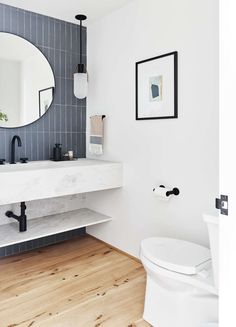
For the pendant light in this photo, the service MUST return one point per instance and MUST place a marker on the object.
(81, 76)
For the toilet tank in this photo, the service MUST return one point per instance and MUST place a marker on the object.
(213, 231)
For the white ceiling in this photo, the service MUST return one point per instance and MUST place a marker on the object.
(67, 9)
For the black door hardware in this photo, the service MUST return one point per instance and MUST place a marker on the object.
(223, 205)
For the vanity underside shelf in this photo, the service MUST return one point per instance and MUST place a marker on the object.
(50, 225)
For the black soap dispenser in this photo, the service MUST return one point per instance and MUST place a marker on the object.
(57, 152)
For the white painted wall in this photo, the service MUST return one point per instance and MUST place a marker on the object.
(10, 99)
(181, 152)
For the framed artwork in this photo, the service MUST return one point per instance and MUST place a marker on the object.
(45, 100)
(157, 87)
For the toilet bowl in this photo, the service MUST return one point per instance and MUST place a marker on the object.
(180, 289)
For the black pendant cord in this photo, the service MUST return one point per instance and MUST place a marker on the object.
(81, 52)
(81, 67)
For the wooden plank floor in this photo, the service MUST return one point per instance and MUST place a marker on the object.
(79, 283)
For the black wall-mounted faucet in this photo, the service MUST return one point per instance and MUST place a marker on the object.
(13, 147)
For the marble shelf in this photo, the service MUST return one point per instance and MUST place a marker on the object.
(50, 225)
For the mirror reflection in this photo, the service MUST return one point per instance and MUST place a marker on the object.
(26, 82)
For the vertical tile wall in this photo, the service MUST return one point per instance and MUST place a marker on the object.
(65, 122)
(41, 242)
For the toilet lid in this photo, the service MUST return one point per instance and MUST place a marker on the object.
(176, 255)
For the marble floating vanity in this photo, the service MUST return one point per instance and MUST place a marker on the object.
(47, 179)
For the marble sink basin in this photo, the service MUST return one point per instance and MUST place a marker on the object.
(48, 164)
(46, 179)
(28, 166)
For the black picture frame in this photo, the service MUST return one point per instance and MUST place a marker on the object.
(52, 88)
(175, 81)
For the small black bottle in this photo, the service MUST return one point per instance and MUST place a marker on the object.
(57, 152)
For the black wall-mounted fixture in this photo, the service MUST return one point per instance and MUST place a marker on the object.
(24, 160)
(81, 76)
(22, 219)
(175, 191)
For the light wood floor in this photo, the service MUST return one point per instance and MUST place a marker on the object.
(80, 283)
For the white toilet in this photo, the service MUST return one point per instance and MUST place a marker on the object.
(180, 290)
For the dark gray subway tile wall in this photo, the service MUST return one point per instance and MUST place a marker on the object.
(41, 242)
(65, 122)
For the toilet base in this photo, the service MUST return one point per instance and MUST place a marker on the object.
(172, 303)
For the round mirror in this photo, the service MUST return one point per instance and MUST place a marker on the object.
(26, 82)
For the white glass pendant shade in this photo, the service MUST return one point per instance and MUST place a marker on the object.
(81, 85)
